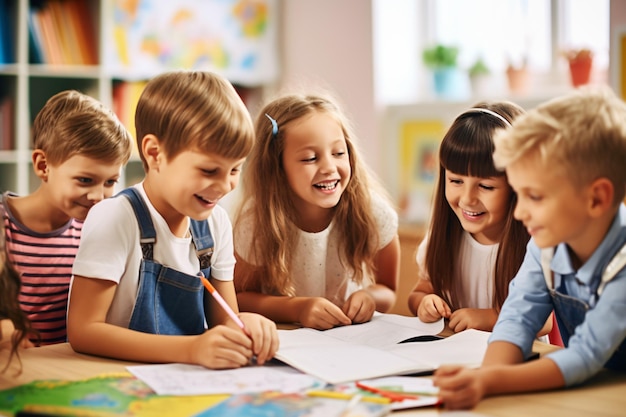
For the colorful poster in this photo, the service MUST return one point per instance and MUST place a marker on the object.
(419, 144)
(236, 38)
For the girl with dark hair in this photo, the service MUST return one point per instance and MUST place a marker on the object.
(474, 246)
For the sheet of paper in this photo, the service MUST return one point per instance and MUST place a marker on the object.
(464, 348)
(338, 363)
(183, 379)
(382, 331)
(386, 329)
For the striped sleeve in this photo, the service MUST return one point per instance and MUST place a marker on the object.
(45, 265)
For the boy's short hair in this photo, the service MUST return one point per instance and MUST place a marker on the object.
(194, 110)
(582, 133)
(72, 123)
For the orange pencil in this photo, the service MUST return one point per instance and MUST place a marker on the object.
(223, 303)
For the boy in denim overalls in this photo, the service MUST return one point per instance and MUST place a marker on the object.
(565, 160)
(135, 293)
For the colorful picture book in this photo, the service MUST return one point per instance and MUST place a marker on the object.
(102, 396)
(124, 395)
(276, 404)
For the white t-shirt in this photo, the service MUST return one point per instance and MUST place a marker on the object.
(109, 249)
(476, 266)
(316, 267)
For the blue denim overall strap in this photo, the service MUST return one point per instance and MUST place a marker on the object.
(168, 301)
(570, 311)
(203, 242)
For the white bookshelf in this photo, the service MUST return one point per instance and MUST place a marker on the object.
(31, 85)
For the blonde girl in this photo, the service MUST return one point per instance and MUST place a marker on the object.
(316, 238)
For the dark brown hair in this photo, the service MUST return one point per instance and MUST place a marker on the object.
(10, 283)
(467, 149)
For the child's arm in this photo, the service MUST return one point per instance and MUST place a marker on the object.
(502, 372)
(88, 332)
(315, 312)
(381, 295)
(262, 330)
(429, 307)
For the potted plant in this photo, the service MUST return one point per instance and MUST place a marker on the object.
(517, 77)
(580, 62)
(440, 56)
(479, 77)
(442, 60)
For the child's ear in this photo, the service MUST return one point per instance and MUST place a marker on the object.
(40, 164)
(152, 151)
(601, 192)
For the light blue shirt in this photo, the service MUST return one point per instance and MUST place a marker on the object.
(529, 304)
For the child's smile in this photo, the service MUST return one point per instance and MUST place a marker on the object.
(327, 185)
(316, 162)
(480, 204)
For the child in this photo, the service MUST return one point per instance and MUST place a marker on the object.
(474, 246)
(565, 159)
(136, 292)
(313, 244)
(15, 325)
(79, 149)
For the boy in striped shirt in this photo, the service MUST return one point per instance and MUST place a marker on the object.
(80, 147)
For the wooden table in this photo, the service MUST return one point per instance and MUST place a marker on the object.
(604, 395)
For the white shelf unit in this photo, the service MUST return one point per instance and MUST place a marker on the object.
(31, 85)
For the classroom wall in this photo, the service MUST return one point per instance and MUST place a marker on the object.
(328, 43)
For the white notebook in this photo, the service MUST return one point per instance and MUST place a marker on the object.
(372, 350)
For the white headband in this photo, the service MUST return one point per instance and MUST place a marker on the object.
(487, 111)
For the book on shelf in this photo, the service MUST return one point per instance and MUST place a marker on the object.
(377, 348)
(125, 98)
(63, 33)
(36, 53)
(6, 32)
(7, 118)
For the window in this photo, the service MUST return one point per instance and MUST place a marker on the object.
(501, 32)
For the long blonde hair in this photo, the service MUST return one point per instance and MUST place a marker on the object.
(269, 200)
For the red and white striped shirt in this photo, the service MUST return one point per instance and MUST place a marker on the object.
(44, 261)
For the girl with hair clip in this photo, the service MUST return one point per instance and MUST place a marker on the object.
(313, 244)
(474, 246)
(14, 325)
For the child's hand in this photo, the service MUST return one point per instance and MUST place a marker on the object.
(264, 336)
(459, 387)
(360, 306)
(432, 308)
(473, 318)
(319, 313)
(222, 347)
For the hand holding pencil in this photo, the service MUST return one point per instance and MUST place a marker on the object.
(261, 331)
